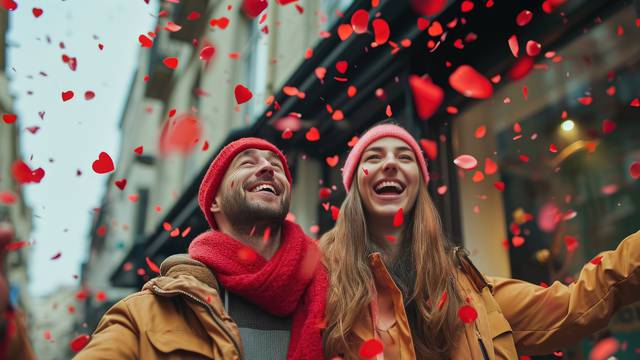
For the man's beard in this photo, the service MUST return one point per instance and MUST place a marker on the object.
(244, 214)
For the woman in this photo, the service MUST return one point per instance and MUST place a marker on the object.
(397, 284)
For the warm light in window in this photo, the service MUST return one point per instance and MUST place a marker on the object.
(568, 125)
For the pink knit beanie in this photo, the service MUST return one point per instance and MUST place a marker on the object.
(374, 134)
(218, 168)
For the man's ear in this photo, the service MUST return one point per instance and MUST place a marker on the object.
(215, 208)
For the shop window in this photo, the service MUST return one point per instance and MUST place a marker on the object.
(563, 139)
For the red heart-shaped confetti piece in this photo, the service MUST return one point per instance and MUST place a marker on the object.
(37, 12)
(427, 96)
(139, 150)
(381, 31)
(470, 83)
(499, 185)
(342, 66)
(242, 94)
(170, 62)
(466, 6)
(513, 45)
(608, 126)
(207, 53)
(360, 21)
(332, 160)
(481, 131)
(312, 135)
(423, 23)
(9, 118)
(524, 17)
(371, 348)
(221, 22)
(435, 29)
(398, 218)
(88, 95)
(67, 95)
(335, 212)
(104, 164)
(533, 48)
(344, 31)
(10, 5)
(467, 314)
(79, 342)
(8, 197)
(427, 7)
(253, 8)
(520, 68)
(466, 162)
(121, 184)
(634, 170)
(145, 41)
(430, 147)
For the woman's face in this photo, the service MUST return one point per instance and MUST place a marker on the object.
(388, 178)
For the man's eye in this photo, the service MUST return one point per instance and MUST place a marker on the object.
(246, 162)
(372, 157)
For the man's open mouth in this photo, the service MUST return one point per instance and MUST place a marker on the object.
(264, 187)
(389, 187)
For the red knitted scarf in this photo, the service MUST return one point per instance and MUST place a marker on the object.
(292, 283)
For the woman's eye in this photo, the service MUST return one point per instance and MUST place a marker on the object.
(406, 157)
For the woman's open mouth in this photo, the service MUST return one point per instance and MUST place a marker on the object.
(389, 188)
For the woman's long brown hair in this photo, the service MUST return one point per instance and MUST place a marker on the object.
(434, 330)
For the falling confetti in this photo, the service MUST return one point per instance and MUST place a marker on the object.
(371, 348)
(470, 83)
(104, 164)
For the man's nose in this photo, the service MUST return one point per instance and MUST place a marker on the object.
(266, 169)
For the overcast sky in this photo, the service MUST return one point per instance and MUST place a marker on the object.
(72, 133)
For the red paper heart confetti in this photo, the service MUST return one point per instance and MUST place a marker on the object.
(253, 8)
(332, 161)
(8, 197)
(524, 17)
(145, 41)
(467, 314)
(312, 135)
(360, 21)
(608, 126)
(344, 31)
(430, 147)
(398, 218)
(37, 12)
(342, 66)
(88, 95)
(79, 342)
(139, 150)
(9, 118)
(480, 132)
(533, 48)
(513, 45)
(242, 94)
(634, 170)
(67, 95)
(381, 31)
(207, 53)
(470, 83)
(104, 164)
(152, 266)
(466, 6)
(221, 22)
(605, 349)
(466, 162)
(427, 96)
(371, 348)
(427, 7)
(121, 184)
(170, 62)
(571, 242)
(490, 167)
(520, 68)
(23, 174)
(9, 5)
(596, 260)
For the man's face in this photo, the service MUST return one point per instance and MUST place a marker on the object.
(254, 189)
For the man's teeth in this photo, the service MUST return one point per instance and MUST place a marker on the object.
(389, 184)
(264, 187)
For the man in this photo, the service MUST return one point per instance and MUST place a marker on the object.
(254, 281)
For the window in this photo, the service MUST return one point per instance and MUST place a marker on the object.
(256, 71)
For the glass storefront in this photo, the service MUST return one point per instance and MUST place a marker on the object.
(564, 139)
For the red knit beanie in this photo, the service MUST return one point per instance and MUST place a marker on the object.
(218, 168)
(374, 134)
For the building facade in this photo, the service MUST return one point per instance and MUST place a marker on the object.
(13, 207)
(557, 144)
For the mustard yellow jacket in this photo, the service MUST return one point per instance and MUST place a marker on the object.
(519, 318)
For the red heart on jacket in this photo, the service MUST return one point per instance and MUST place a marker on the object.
(67, 95)
(242, 94)
(121, 183)
(104, 164)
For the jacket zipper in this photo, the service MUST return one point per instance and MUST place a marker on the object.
(485, 355)
(216, 318)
